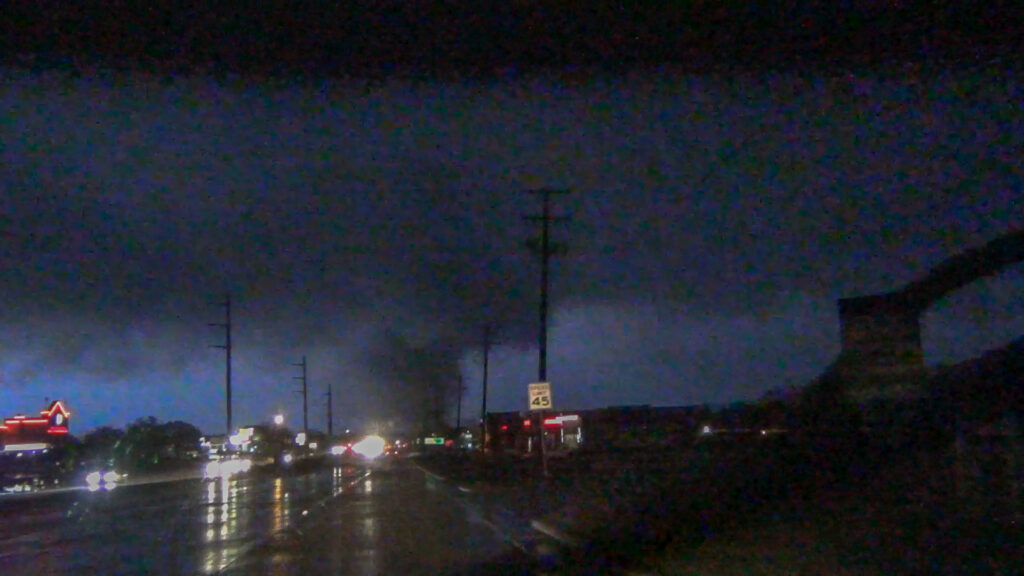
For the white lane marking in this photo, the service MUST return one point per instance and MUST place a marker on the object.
(431, 474)
(554, 532)
(501, 534)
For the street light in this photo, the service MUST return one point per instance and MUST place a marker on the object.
(278, 419)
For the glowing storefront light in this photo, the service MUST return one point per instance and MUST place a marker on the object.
(29, 447)
(243, 437)
(560, 420)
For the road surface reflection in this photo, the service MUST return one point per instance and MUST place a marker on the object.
(181, 527)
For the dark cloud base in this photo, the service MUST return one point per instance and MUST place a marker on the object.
(377, 230)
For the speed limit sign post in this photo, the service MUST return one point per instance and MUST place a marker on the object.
(539, 402)
(540, 396)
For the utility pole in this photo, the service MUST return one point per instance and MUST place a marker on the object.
(305, 407)
(330, 411)
(545, 248)
(226, 347)
(483, 409)
(458, 412)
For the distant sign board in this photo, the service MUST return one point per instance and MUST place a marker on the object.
(433, 441)
(540, 396)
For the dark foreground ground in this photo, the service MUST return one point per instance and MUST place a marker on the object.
(751, 506)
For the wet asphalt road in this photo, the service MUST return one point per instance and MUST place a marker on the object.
(336, 520)
(395, 521)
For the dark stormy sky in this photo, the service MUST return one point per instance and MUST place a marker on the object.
(375, 228)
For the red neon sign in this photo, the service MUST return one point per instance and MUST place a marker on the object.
(558, 421)
(57, 405)
(55, 417)
(23, 420)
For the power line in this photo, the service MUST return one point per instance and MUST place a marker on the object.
(226, 304)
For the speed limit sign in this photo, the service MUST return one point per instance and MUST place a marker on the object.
(540, 396)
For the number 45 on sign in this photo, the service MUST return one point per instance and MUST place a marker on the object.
(540, 396)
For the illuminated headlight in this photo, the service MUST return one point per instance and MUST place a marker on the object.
(102, 480)
(227, 468)
(287, 458)
(369, 447)
(212, 470)
(338, 450)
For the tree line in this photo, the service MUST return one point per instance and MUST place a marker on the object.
(144, 445)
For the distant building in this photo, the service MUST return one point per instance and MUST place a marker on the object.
(598, 429)
(21, 433)
(258, 440)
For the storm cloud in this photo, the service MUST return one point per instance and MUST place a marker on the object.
(715, 220)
